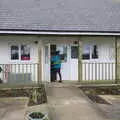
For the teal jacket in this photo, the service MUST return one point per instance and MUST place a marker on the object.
(56, 61)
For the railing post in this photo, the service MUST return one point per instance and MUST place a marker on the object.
(79, 61)
(38, 74)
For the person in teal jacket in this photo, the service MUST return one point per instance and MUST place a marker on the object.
(56, 65)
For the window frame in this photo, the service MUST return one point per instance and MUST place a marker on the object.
(74, 45)
(65, 55)
(91, 46)
(19, 52)
(87, 53)
(23, 57)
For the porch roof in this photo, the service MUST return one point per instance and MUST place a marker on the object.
(60, 15)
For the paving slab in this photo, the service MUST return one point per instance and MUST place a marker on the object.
(70, 103)
(112, 110)
(13, 108)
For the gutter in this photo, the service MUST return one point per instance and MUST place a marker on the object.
(60, 33)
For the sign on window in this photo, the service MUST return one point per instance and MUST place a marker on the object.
(25, 52)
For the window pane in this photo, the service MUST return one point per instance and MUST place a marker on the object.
(74, 52)
(46, 54)
(25, 52)
(63, 52)
(95, 52)
(14, 52)
(86, 56)
(86, 52)
(64, 55)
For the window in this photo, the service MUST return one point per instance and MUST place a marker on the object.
(25, 52)
(20, 52)
(95, 52)
(46, 54)
(14, 52)
(86, 52)
(63, 52)
(90, 52)
(74, 52)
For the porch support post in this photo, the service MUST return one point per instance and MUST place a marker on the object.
(39, 64)
(117, 60)
(79, 61)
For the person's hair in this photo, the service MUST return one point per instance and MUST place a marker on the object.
(57, 52)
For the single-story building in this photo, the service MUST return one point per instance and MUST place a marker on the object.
(87, 34)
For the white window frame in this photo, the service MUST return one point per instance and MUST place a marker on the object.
(91, 45)
(74, 45)
(19, 52)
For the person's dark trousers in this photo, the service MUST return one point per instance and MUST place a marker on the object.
(58, 70)
(53, 75)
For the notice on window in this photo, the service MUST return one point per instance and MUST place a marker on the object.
(25, 52)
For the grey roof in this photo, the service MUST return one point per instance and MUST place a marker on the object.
(60, 15)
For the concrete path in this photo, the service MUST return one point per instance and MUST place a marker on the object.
(70, 103)
(13, 108)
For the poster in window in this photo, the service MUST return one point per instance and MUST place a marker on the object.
(25, 52)
(95, 52)
(14, 52)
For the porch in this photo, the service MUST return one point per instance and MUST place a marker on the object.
(85, 59)
(19, 73)
(29, 74)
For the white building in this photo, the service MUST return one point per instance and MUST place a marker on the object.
(85, 33)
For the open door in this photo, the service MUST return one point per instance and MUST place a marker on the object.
(47, 63)
(65, 66)
(63, 49)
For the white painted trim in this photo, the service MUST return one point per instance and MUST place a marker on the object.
(59, 33)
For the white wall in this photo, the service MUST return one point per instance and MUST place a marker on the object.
(5, 55)
(106, 54)
(102, 68)
(7, 41)
(66, 67)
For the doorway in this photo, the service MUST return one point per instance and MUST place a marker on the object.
(52, 73)
(69, 61)
(65, 63)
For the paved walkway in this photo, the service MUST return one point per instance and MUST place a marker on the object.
(13, 108)
(65, 102)
(70, 103)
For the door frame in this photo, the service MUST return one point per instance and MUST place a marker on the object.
(76, 45)
(44, 63)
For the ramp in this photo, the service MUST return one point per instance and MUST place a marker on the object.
(70, 103)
